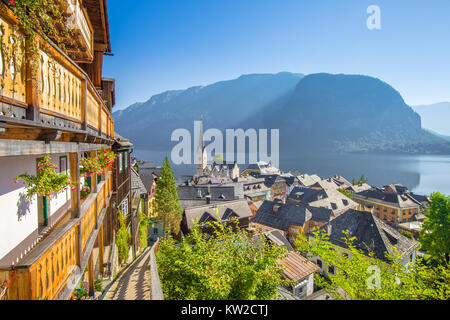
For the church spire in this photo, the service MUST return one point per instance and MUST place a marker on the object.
(201, 151)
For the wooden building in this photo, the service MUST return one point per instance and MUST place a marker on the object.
(54, 106)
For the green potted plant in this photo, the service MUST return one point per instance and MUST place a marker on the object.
(46, 182)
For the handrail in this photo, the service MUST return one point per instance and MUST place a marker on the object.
(62, 85)
(157, 293)
(52, 262)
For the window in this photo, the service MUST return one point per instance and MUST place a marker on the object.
(319, 263)
(124, 207)
(120, 161)
(126, 159)
(393, 211)
(331, 269)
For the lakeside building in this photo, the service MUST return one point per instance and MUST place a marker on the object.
(291, 218)
(260, 168)
(369, 232)
(307, 180)
(193, 196)
(322, 194)
(393, 204)
(61, 107)
(296, 268)
(223, 212)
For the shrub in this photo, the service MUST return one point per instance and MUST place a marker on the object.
(123, 238)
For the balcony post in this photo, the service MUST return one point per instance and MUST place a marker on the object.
(32, 85)
(100, 249)
(91, 274)
(84, 104)
(94, 177)
(75, 176)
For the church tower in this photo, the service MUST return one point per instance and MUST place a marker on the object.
(201, 155)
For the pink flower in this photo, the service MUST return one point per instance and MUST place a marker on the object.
(16, 182)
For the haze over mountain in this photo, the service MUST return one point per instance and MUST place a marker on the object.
(316, 112)
(222, 105)
(435, 117)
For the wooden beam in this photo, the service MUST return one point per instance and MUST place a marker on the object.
(50, 135)
(32, 86)
(91, 271)
(75, 176)
(13, 147)
(100, 249)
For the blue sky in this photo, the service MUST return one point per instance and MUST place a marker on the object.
(162, 45)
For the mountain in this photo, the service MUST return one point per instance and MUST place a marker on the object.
(435, 117)
(349, 113)
(150, 124)
(343, 113)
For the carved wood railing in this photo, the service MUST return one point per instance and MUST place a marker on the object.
(12, 63)
(60, 90)
(50, 89)
(51, 272)
(45, 272)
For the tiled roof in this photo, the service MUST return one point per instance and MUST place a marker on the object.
(378, 195)
(223, 209)
(370, 232)
(327, 197)
(147, 179)
(296, 267)
(341, 182)
(121, 141)
(279, 239)
(136, 182)
(289, 214)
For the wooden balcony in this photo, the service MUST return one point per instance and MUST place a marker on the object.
(52, 99)
(52, 269)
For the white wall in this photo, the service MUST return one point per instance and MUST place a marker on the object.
(19, 219)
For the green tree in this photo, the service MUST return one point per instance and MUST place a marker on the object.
(347, 193)
(166, 200)
(358, 275)
(435, 234)
(407, 234)
(360, 181)
(123, 238)
(144, 222)
(228, 265)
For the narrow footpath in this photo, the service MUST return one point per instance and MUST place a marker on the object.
(134, 282)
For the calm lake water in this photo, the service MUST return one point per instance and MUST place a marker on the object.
(422, 174)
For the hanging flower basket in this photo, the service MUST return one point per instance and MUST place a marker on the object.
(85, 191)
(106, 159)
(47, 182)
(90, 167)
(98, 165)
